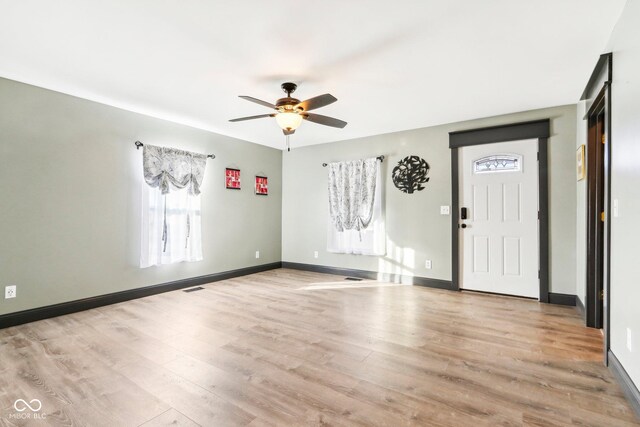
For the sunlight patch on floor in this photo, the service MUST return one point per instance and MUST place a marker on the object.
(350, 285)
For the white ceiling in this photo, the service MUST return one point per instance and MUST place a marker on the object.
(393, 65)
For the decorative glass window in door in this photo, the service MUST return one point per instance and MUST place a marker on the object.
(498, 163)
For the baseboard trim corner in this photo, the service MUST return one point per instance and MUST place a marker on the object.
(580, 306)
(55, 310)
(562, 299)
(371, 275)
(626, 383)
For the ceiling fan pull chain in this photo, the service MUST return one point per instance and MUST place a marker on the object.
(288, 146)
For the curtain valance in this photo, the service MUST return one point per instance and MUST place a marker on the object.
(352, 188)
(171, 169)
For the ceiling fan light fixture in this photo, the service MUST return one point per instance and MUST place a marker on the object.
(288, 121)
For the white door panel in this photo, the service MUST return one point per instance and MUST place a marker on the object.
(499, 246)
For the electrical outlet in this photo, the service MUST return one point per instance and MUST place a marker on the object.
(629, 340)
(444, 210)
(9, 292)
(257, 254)
(427, 264)
(315, 254)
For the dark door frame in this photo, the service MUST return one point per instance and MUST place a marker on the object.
(597, 97)
(595, 225)
(538, 129)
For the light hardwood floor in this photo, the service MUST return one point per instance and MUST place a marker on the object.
(294, 348)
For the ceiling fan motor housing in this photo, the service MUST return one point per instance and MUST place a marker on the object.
(287, 105)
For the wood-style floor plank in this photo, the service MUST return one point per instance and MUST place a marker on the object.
(286, 347)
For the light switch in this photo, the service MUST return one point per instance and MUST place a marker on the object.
(615, 208)
(444, 210)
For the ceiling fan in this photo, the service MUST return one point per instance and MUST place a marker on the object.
(290, 111)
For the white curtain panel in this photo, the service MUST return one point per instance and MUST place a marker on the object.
(356, 219)
(183, 222)
(171, 215)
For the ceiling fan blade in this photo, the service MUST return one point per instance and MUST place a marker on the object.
(258, 101)
(324, 120)
(288, 132)
(241, 119)
(317, 102)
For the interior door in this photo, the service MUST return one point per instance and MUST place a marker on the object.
(596, 207)
(498, 194)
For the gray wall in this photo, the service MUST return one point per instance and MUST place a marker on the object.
(70, 199)
(625, 187)
(416, 230)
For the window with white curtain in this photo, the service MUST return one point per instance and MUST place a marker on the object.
(171, 213)
(356, 220)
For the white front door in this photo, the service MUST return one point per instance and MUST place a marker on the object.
(499, 242)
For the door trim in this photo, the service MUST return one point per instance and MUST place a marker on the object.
(596, 93)
(538, 129)
(594, 239)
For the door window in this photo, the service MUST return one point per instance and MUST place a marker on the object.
(498, 163)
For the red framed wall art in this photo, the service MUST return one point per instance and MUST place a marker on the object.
(232, 178)
(262, 186)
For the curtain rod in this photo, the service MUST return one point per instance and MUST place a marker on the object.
(381, 158)
(140, 144)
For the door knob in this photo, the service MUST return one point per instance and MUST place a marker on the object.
(463, 225)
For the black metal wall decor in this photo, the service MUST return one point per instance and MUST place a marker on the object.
(410, 174)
